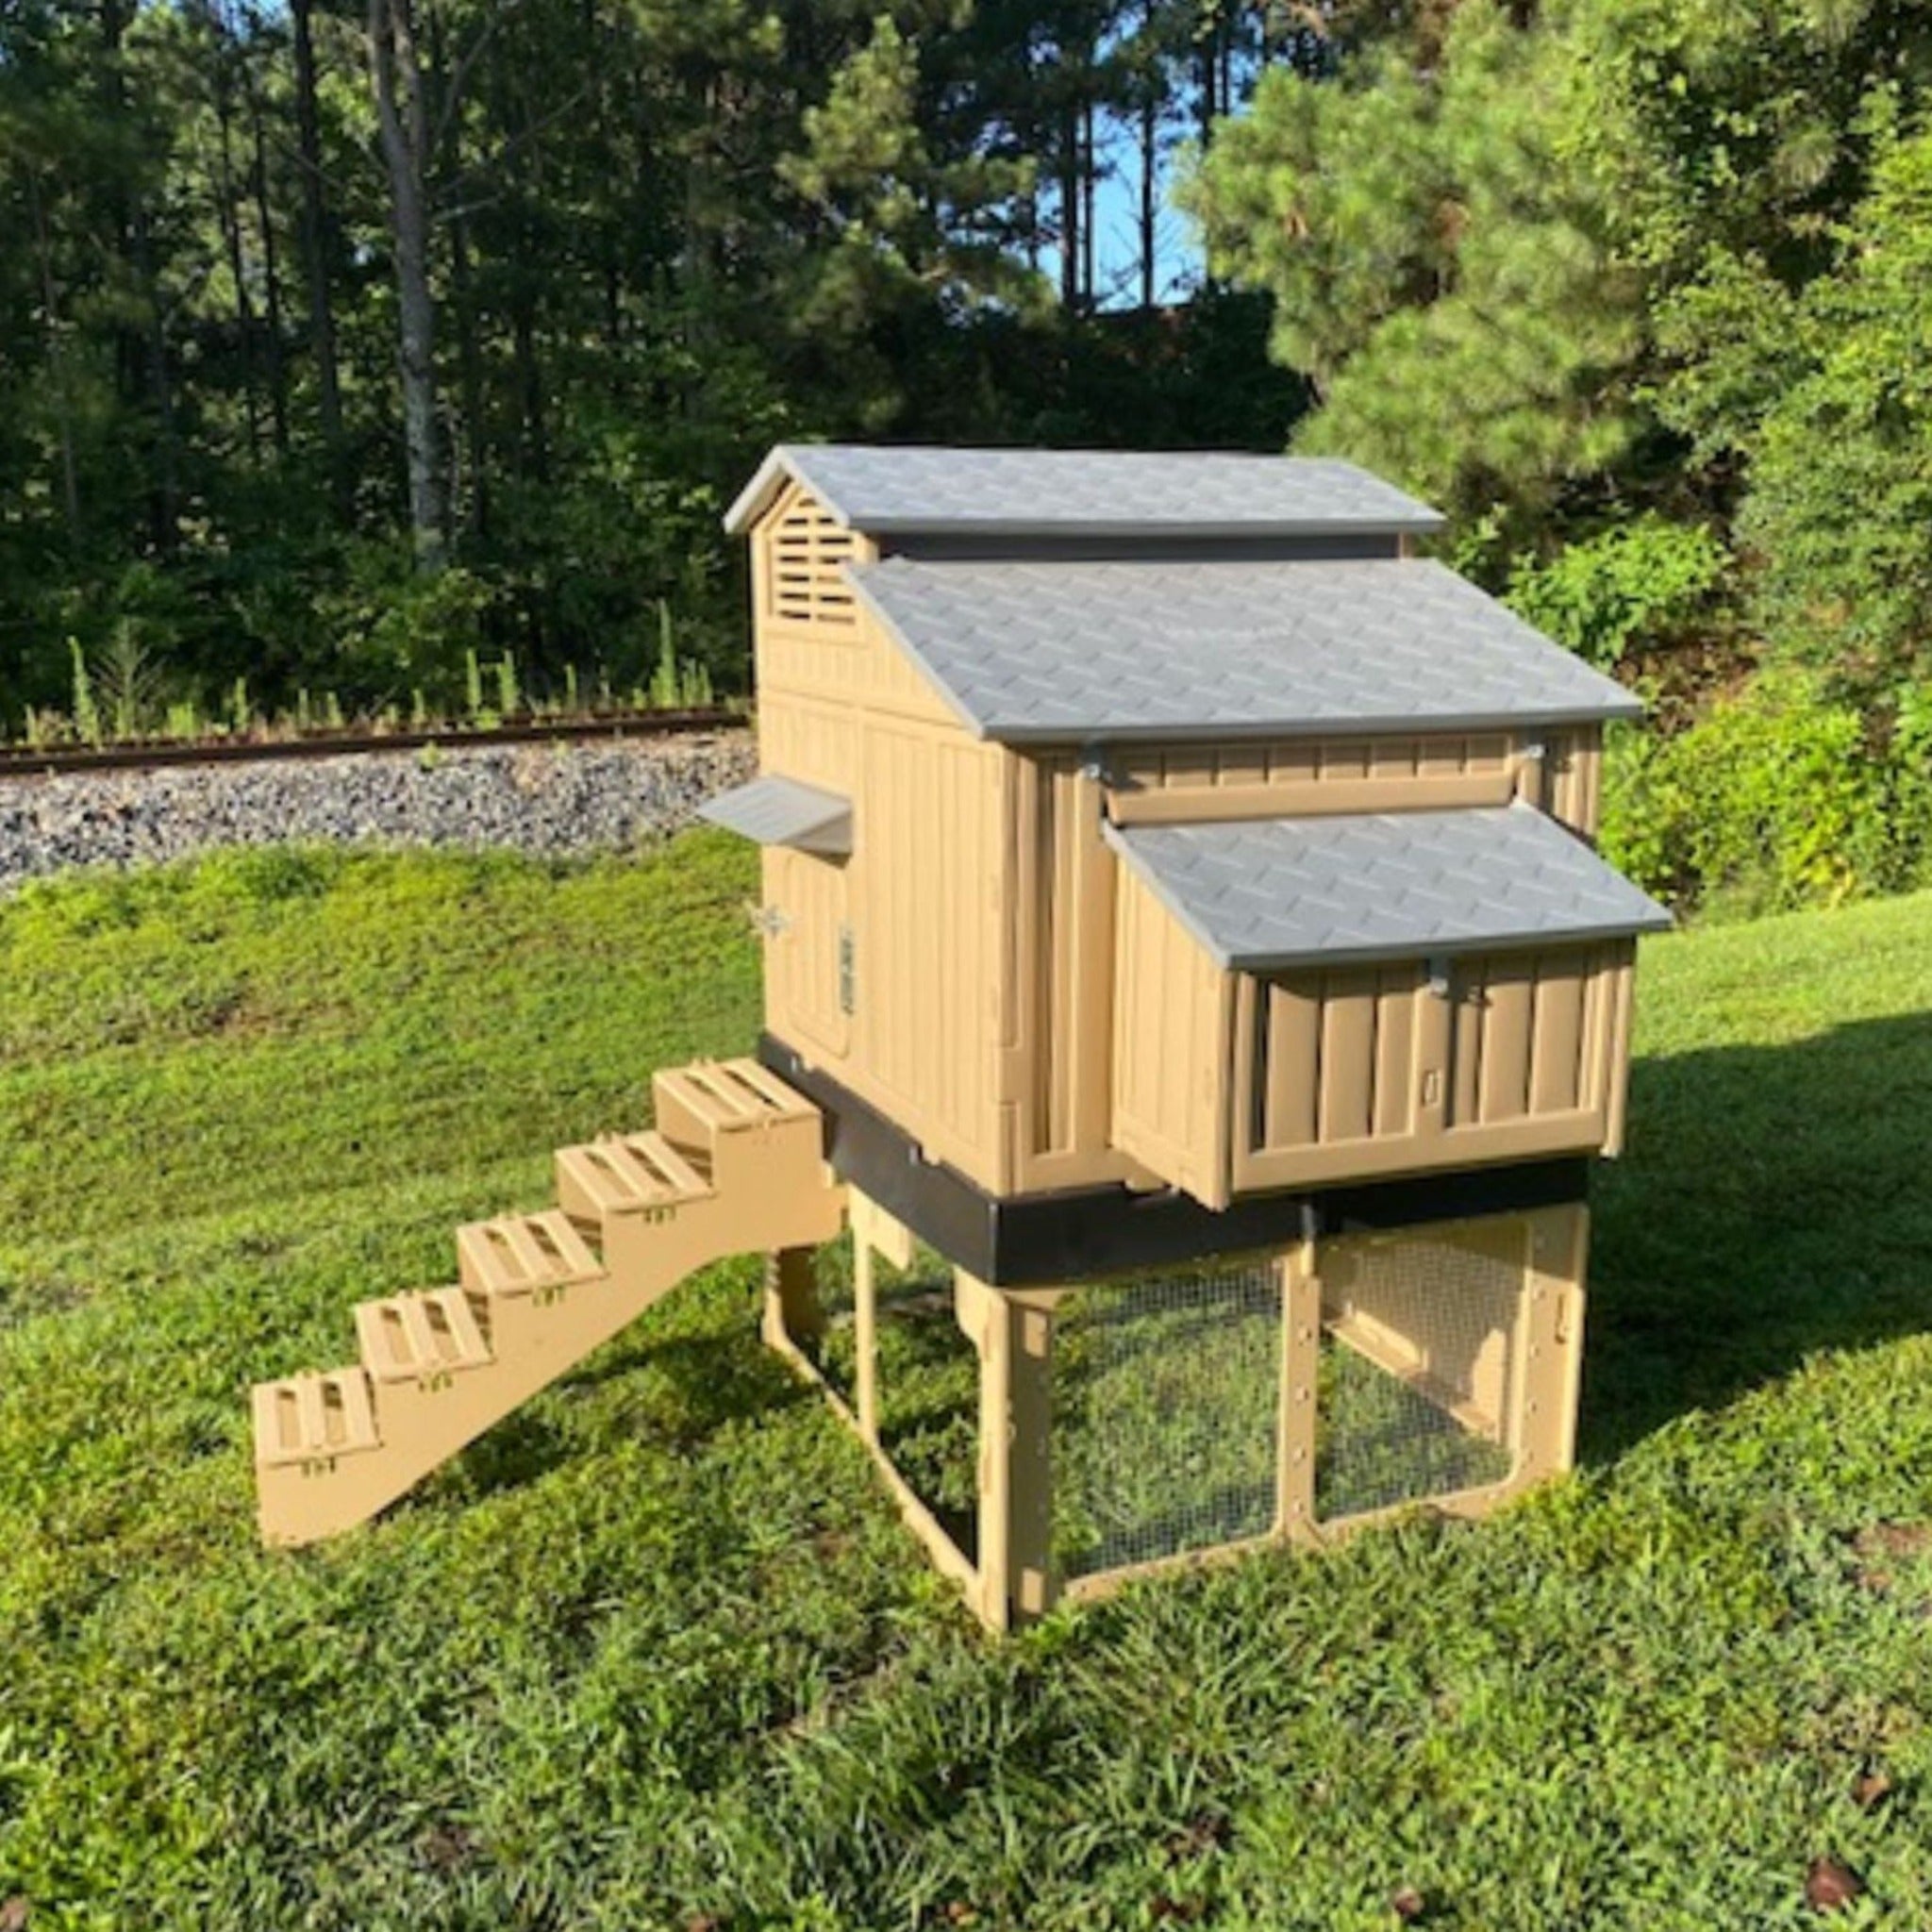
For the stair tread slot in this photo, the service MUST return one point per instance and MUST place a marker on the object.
(522, 1252)
(672, 1172)
(592, 1176)
(413, 1335)
(576, 1253)
(307, 1416)
(768, 1087)
(641, 1185)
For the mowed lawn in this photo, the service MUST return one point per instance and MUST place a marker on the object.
(656, 1653)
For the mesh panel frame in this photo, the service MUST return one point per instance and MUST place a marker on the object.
(928, 1374)
(1420, 1379)
(1166, 1429)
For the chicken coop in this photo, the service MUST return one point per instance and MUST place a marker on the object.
(1192, 1003)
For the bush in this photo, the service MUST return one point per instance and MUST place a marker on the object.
(1776, 797)
(1637, 583)
(399, 630)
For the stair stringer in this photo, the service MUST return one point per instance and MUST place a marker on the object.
(768, 1188)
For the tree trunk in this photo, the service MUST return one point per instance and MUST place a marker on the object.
(1150, 206)
(402, 126)
(228, 219)
(1154, 85)
(271, 272)
(1071, 203)
(1210, 51)
(1089, 173)
(322, 324)
(56, 361)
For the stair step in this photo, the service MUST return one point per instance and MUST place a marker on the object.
(720, 1095)
(625, 1172)
(304, 1418)
(409, 1337)
(522, 1254)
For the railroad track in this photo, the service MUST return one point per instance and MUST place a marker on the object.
(28, 763)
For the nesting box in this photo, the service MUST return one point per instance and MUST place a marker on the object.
(1179, 901)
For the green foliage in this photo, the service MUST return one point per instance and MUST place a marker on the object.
(668, 1602)
(1636, 583)
(660, 238)
(397, 628)
(1839, 497)
(1773, 798)
(87, 716)
(1436, 272)
(1496, 252)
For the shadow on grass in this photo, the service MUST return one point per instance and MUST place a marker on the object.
(678, 1391)
(1773, 1202)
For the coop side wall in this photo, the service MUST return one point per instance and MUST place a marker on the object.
(889, 969)
(1308, 778)
(1173, 1035)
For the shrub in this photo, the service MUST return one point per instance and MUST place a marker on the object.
(1773, 798)
(1636, 583)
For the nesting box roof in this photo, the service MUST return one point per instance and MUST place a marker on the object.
(1041, 653)
(1263, 895)
(904, 490)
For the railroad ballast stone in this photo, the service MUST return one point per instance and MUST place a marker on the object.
(545, 799)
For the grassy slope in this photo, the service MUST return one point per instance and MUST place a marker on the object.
(656, 1652)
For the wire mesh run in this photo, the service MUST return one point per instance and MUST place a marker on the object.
(928, 1391)
(832, 1348)
(1418, 1385)
(1166, 1426)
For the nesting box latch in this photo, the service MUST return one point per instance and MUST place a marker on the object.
(1532, 765)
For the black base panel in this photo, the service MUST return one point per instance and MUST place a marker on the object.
(1037, 1240)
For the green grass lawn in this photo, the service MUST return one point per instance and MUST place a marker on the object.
(656, 1653)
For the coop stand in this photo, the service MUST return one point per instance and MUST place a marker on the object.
(1504, 1373)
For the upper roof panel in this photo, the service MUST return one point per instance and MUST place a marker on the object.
(1267, 894)
(1052, 653)
(902, 490)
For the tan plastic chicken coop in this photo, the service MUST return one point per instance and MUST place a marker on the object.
(1191, 1005)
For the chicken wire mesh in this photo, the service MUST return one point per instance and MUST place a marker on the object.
(928, 1391)
(1417, 1387)
(1166, 1395)
(832, 1347)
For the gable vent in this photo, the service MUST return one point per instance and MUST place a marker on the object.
(807, 548)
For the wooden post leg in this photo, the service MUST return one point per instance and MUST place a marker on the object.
(1558, 1242)
(1015, 1343)
(1301, 1361)
(791, 1299)
(865, 1336)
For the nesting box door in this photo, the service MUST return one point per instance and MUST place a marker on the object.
(1363, 1069)
(810, 951)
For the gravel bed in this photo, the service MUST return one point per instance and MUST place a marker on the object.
(541, 799)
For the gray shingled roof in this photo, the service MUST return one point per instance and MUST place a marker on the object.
(887, 490)
(785, 811)
(1052, 652)
(1265, 894)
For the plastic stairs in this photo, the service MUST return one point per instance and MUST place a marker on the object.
(735, 1165)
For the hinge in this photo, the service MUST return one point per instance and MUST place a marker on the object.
(769, 920)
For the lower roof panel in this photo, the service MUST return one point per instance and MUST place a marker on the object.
(1270, 894)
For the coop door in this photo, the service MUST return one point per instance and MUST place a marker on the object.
(810, 952)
